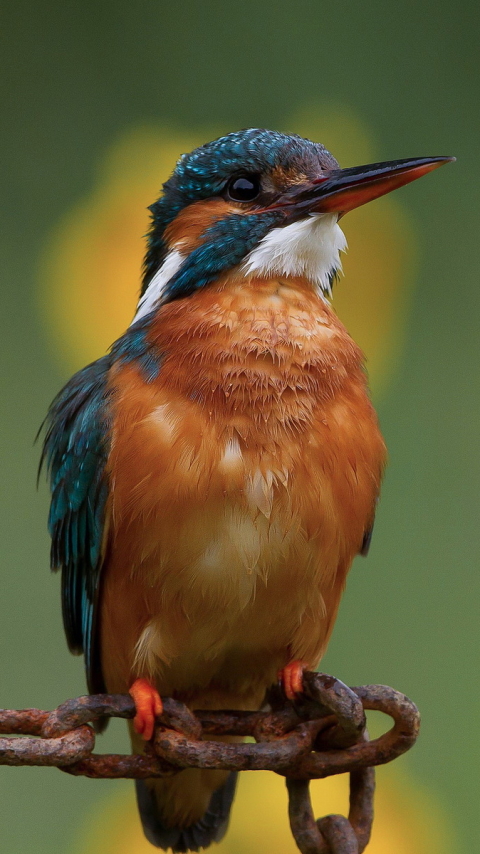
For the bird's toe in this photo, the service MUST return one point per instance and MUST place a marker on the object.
(148, 705)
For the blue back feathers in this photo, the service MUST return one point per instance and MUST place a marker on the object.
(133, 346)
(75, 450)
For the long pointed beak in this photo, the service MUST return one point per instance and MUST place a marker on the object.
(342, 190)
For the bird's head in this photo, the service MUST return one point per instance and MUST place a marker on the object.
(262, 203)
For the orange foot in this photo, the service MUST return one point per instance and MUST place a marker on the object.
(291, 678)
(148, 704)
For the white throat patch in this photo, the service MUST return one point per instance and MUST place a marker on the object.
(157, 285)
(309, 248)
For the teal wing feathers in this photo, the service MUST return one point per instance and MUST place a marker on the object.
(75, 451)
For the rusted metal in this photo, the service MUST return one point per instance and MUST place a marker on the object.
(333, 834)
(321, 734)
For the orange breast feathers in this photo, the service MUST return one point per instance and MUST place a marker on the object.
(243, 480)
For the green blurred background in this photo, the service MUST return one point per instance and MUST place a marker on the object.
(76, 78)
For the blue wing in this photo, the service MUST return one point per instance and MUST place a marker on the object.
(75, 450)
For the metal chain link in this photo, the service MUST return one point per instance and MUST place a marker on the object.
(321, 734)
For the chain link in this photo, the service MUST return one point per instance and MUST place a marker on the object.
(320, 735)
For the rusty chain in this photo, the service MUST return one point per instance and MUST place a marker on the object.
(321, 734)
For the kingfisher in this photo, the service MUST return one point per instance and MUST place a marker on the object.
(215, 474)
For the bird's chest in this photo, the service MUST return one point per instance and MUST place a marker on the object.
(243, 479)
(207, 517)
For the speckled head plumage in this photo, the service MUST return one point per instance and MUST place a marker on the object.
(204, 171)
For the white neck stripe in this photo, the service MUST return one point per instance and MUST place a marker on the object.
(157, 285)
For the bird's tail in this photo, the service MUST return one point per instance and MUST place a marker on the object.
(169, 809)
(188, 811)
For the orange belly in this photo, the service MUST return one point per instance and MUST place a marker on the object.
(242, 482)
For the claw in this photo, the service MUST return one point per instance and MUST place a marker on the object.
(148, 705)
(291, 678)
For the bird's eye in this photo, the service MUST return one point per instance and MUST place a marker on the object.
(244, 188)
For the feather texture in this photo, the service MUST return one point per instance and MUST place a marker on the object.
(75, 451)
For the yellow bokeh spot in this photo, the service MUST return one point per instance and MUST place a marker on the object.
(406, 819)
(91, 268)
(90, 271)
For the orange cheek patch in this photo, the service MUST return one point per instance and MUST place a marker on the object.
(190, 224)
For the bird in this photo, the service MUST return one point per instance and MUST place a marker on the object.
(215, 474)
